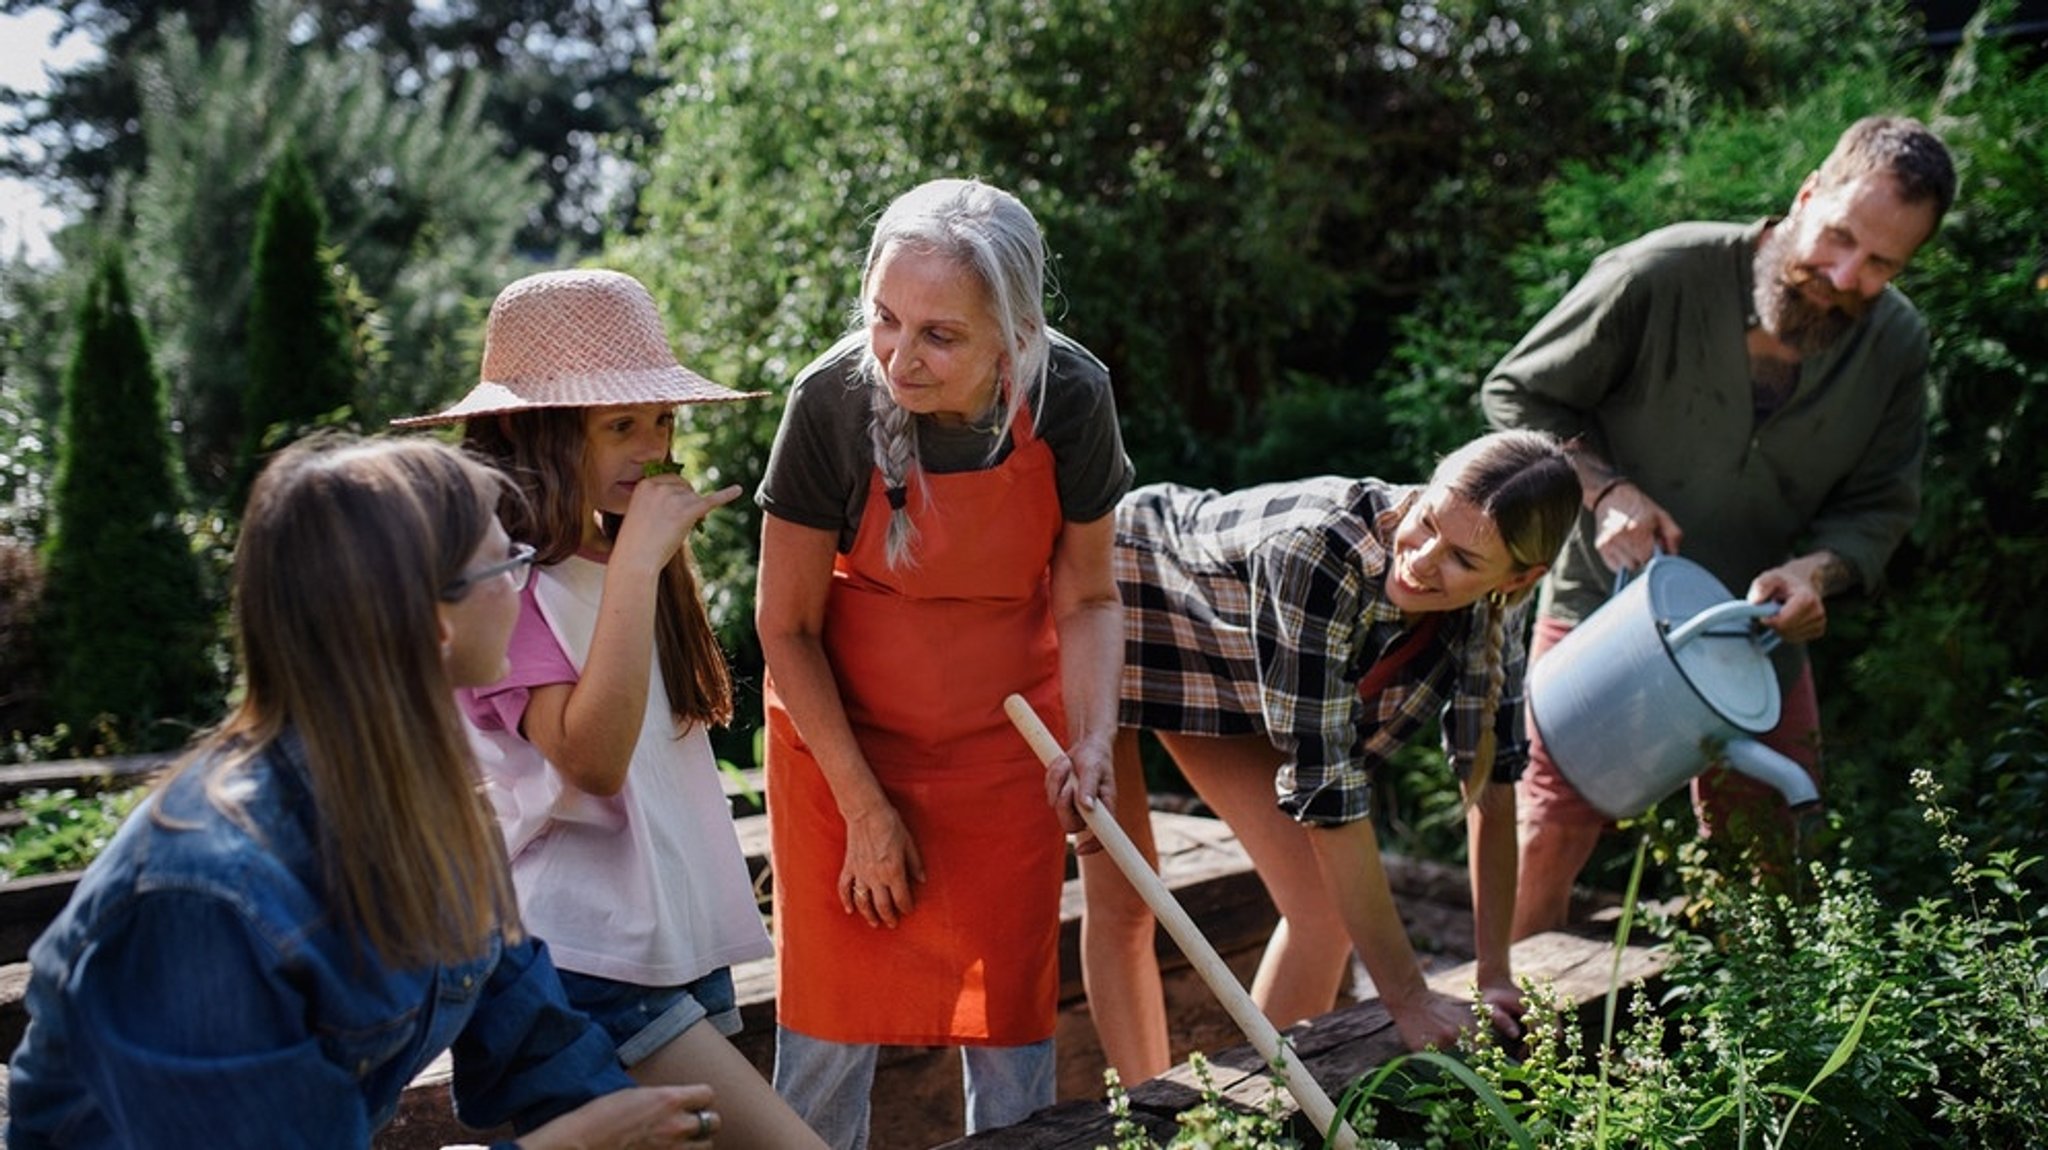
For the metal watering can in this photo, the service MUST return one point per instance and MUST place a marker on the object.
(1668, 675)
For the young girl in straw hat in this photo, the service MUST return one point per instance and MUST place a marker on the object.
(313, 905)
(594, 746)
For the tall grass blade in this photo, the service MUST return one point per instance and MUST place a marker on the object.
(1621, 933)
(1843, 1050)
(1362, 1092)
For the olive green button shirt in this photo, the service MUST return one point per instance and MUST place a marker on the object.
(1647, 357)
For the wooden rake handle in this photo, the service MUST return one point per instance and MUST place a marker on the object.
(1265, 1038)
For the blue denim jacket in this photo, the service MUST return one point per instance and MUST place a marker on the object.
(196, 992)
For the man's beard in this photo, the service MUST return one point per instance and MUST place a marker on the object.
(1782, 306)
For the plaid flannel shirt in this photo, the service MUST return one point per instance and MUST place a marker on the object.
(1258, 611)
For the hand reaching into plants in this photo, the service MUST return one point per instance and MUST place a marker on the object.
(1438, 1020)
(1504, 1002)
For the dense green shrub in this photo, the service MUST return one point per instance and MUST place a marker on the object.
(1839, 1019)
(35, 304)
(129, 625)
(62, 830)
(303, 365)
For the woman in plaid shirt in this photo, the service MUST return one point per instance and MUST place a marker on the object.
(1284, 641)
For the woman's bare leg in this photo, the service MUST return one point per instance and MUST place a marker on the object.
(1118, 964)
(751, 1115)
(1304, 964)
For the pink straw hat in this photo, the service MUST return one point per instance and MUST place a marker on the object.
(577, 338)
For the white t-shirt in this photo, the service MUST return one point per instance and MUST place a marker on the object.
(647, 886)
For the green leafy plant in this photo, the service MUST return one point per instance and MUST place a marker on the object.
(62, 830)
(1816, 1016)
(1829, 1019)
(1211, 1124)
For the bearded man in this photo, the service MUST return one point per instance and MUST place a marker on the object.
(1752, 396)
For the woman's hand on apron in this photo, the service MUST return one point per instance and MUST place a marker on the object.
(1084, 777)
(882, 865)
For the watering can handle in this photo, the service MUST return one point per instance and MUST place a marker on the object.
(1720, 613)
(1622, 576)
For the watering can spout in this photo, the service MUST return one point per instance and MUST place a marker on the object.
(1768, 766)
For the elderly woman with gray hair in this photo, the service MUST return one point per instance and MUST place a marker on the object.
(937, 537)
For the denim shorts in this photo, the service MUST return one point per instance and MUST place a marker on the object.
(643, 1019)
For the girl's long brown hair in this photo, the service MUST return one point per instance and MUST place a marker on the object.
(541, 450)
(345, 547)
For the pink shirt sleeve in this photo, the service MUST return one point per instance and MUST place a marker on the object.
(537, 660)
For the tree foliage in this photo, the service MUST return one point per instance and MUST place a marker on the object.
(565, 78)
(129, 626)
(1242, 204)
(33, 308)
(418, 197)
(1963, 614)
(302, 360)
(1906, 675)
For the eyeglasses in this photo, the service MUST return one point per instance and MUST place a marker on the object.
(519, 568)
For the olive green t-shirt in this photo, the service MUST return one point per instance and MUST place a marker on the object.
(819, 467)
(1647, 356)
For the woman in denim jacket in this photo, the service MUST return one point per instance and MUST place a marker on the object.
(314, 904)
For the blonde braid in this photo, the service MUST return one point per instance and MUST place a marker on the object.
(893, 432)
(1524, 482)
(1497, 607)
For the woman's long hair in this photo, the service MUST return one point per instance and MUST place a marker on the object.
(991, 235)
(542, 451)
(1524, 482)
(344, 549)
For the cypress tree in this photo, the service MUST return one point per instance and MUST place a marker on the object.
(129, 623)
(302, 368)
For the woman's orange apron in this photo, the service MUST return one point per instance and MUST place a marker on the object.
(924, 657)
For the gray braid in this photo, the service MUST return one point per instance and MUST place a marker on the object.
(992, 237)
(892, 431)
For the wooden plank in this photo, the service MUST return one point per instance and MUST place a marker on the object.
(80, 774)
(26, 907)
(1210, 874)
(742, 789)
(1340, 1047)
(1066, 1126)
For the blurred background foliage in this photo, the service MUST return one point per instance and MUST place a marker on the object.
(1298, 240)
